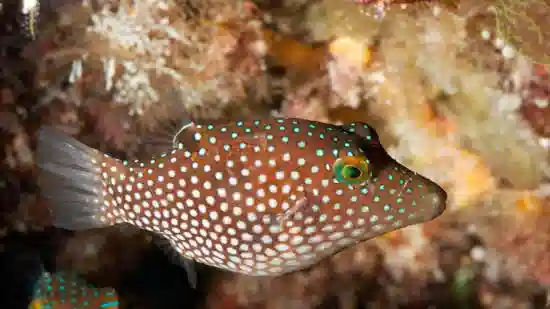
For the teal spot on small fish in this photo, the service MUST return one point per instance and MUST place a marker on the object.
(68, 288)
(112, 304)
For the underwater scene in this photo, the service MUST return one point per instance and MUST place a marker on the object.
(275, 154)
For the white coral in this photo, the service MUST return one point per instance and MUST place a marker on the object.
(131, 29)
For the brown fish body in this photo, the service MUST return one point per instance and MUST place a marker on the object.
(262, 197)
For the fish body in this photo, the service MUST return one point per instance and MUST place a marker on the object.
(261, 197)
(65, 290)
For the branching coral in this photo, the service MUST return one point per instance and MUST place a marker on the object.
(147, 47)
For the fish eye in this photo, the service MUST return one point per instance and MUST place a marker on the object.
(351, 170)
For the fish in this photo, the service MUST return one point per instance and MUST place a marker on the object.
(66, 290)
(260, 197)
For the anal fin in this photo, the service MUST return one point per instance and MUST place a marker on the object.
(177, 258)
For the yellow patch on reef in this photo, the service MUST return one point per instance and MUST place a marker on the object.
(471, 181)
(286, 51)
(529, 202)
(467, 178)
(391, 236)
(354, 52)
(36, 304)
(294, 54)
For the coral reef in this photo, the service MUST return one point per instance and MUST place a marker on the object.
(455, 95)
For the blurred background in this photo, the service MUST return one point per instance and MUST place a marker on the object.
(459, 91)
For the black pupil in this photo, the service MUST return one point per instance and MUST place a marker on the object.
(353, 172)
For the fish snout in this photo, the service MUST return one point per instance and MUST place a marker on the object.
(436, 198)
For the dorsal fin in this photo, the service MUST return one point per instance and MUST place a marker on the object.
(168, 135)
(174, 125)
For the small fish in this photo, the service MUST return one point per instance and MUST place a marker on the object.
(260, 197)
(65, 290)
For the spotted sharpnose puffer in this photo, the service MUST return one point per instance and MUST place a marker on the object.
(261, 197)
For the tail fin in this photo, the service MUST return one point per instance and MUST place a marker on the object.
(70, 178)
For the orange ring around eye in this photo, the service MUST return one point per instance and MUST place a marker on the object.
(36, 304)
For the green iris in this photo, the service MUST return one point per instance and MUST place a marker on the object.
(351, 170)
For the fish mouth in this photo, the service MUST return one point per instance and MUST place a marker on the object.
(431, 197)
(404, 196)
(407, 195)
(437, 197)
